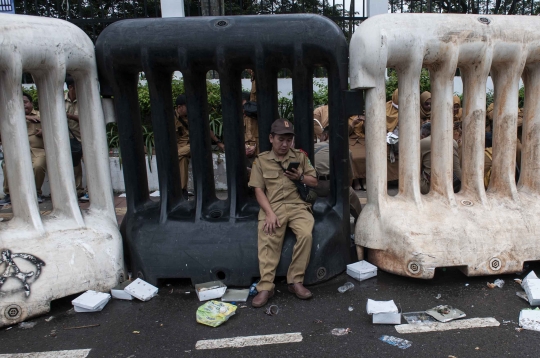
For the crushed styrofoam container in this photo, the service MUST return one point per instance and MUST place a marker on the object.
(235, 295)
(361, 270)
(91, 300)
(210, 290)
(384, 312)
(141, 289)
(531, 285)
(530, 319)
(381, 307)
(99, 308)
(119, 292)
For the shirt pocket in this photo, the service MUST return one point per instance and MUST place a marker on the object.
(272, 180)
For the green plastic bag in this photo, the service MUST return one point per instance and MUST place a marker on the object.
(215, 313)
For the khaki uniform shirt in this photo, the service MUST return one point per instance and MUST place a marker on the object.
(36, 143)
(182, 132)
(251, 132)
(425, 149)
(267, 173)
(73, 108)
(321, 114)
(322, 159)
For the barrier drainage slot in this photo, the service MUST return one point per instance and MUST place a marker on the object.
(221, 23)
(221, 275)
(215, 214)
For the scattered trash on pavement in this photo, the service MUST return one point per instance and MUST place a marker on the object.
(141, 290)
(317, 321)
(531, 285)
(80, 327)
(361, 270)
(351, 309)
(499, 283)
(210, 290)
(49, 319)
(235, 295)
(27, 325)
(445, 313)
(490, 285)
(517, 280)
(522, 295)
(341, 331)
(136, 332)
(395, 341)
(384, 312)
(466, 284)
(215, 313)
(253, 289)
(418, 318)
(91, 301)
(348, 286)
(119, 292)
(518, 329)
(7, 329)
(272, 310)
(467, 323)
(438, 296)
(530, 319)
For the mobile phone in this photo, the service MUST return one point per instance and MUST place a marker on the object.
(292, 165)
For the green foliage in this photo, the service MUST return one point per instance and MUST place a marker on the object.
(285, 108)
(392, 82)
(149, 143)
(320, 96)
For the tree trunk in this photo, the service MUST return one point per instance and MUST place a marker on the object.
(213, 7)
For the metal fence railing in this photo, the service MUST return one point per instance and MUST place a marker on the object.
(492, 7)
(6, 6)
(93, 16)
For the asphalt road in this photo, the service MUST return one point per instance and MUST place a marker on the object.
(168, 328)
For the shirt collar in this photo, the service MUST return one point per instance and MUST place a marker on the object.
(274, 156)
(67, 98)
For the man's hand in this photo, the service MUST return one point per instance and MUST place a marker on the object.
(250, 151)
(33, 119)
(293, 174)
(39, 133)
(221, 146)
(358, 119)
(271, 222)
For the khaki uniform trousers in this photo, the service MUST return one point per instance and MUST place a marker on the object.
(78, 179)
(323, 190)
(300, 220)
(39, 166)
(184, 153)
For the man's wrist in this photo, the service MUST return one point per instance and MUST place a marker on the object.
(301, 178)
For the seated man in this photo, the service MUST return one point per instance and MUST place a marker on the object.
(37, 149)
(322, 166)
(251, 131)
(282, 206)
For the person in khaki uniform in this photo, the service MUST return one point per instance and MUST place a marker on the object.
(320, 121)
(282, 206)
(72, 113)
(251, 131)
(182, 140)
(37, 149)
(322, 166)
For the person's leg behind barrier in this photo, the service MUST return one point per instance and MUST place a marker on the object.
(184, 153)
(354, 203)
(39, 165)
(269, 250)
(6, 185)
(78, 180)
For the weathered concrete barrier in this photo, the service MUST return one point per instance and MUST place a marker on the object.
(43, 258)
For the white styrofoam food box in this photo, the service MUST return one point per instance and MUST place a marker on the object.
(141, 289)
(387, 318)
(532, 288)
(361, 270)
(91, 300)
(119, 292)
(210, 290)
(99, 308)
(530, 319)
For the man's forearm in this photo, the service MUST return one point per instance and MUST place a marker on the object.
(310, 181)
(73, 117)
(263, 201)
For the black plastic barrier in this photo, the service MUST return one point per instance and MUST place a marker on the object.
(208, 238)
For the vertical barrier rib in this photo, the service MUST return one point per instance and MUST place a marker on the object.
(409, 130)
(56, 138)
(162, 115)
(131, 139)
(266, 98)
(199, 139)
(376, 166)
(506, 77)
(235, 152)
(474, 125)
(16, 147)
(302, 84)
(529, 180)
(442, 86)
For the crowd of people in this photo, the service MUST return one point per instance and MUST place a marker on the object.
(37, 148)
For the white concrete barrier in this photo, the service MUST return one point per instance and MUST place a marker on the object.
(482, 232)
(68, 251)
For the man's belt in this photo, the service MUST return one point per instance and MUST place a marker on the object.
(324, 177)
